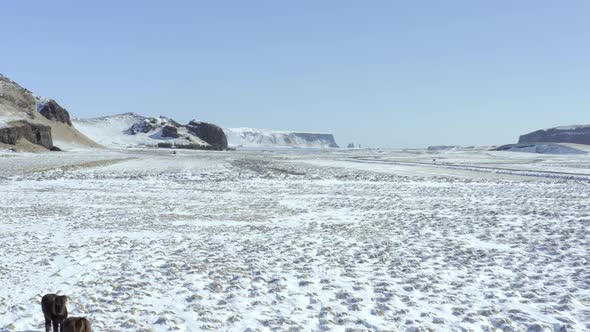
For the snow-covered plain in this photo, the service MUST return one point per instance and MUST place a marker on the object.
(344, 240)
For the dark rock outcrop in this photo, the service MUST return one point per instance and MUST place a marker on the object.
(145, 126)
(209, 133)
(34, 133)
(170, 131)
(9, 135)
(54, 112)
(568, 134)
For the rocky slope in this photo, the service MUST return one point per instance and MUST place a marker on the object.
(34, 124)
(250, 137)
(565, 134)
(130, 129)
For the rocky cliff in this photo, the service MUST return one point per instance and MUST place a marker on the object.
(31, 123)
(35, 133)
(250, 137)
(565, 134)
(209, 133)
(324, 139)
(18, 116)
(51, 110)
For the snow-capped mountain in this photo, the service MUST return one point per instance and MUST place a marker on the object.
(251, 137)
(131, 129)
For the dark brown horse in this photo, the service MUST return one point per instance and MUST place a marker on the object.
(55, 311)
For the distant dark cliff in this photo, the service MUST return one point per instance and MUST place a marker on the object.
(566, 134)
(326, 139)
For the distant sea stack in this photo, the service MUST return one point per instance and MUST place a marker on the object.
(579, 134)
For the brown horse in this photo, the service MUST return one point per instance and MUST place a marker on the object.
(77, 324)
(55, 311)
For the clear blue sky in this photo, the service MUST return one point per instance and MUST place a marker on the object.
(380, 73)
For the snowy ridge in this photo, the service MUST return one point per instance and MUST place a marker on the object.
(252, 137)
(573, 127)
(109, 130)
(131, 129)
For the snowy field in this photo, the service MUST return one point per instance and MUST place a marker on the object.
(297, 240)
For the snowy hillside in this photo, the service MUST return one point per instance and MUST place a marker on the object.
(251, 137)
(571, 127)
(130, 129)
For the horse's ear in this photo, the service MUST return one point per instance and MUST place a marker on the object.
(65, 298)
